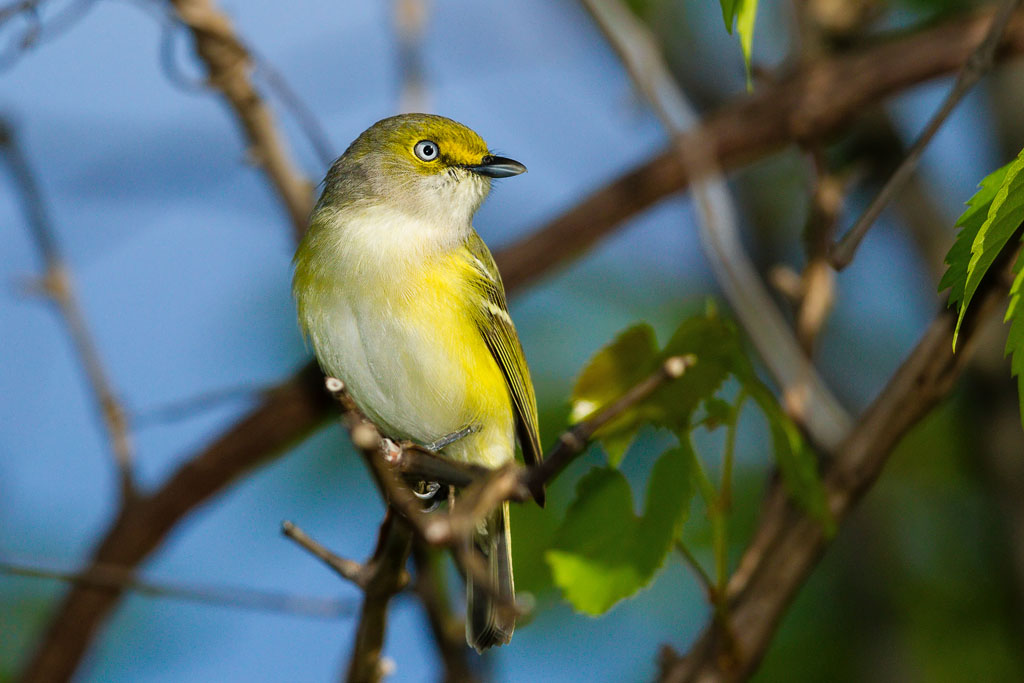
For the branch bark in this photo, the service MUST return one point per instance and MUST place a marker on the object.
(811, 103)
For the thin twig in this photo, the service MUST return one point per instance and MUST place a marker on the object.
(38, 31)
(387, 577)
(228, 67)
(574, 441)
(448, 629)
(698, 570)
(347, 569)
(817, 282)
(119, 578)
(185, 408)
(976, 66)
(57, 284)
(805, 395)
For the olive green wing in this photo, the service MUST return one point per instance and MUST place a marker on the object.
(500, 334)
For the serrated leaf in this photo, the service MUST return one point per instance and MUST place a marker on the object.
(1015, 337)
(610, 373)
(970, 222)
(603, 552)
(1004, 216)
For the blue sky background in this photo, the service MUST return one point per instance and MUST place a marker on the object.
(181, 260)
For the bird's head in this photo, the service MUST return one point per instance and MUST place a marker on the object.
(428, 166)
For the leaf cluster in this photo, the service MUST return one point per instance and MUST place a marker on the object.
(604, 552)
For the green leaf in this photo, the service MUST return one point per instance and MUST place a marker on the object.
(715, 343)
(970, 222)
(634, 355)
(742, 14)
(716, 412)
(745, 17)
(631, 357)
(603, 552)
(1004, 216)
(1015, 337)
(729, 13)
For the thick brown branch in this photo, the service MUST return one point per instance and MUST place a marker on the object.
(228, 66)
(788, 543)
(811, 103)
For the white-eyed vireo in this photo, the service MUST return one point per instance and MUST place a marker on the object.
(403, 302)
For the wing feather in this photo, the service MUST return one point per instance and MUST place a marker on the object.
(497, 329)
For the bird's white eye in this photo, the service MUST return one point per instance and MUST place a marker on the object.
(426, 150)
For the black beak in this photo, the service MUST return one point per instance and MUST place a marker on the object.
(498, 167)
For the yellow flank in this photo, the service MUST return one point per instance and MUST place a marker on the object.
(435, 298)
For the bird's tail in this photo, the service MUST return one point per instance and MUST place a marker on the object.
(488, 623)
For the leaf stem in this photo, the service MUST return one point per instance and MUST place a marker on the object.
(705, 580)
(724, 499)
(728, 456)
(715, 515)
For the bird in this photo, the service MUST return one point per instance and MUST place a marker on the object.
(403, 302)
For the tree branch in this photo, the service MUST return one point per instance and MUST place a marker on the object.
(228, 66)
(287, 414)
(116, 578)
(811, 103)
(350, 570)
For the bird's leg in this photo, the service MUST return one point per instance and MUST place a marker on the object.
(449, 439)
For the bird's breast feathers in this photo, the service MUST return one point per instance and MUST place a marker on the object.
(397, 323)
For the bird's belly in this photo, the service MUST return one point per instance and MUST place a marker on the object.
(419, 368)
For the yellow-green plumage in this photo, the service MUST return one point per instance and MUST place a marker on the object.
(403, 302)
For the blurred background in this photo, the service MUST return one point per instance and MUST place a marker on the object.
(180, 257)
